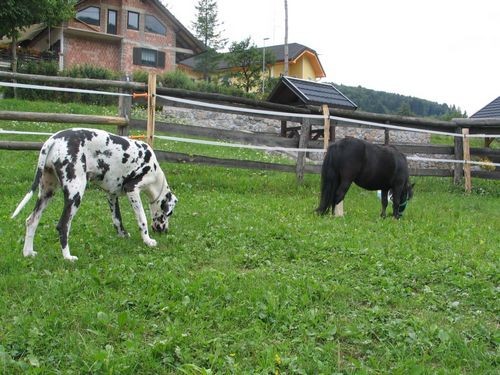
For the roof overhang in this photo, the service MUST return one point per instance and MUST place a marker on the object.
(73, 31)
(29, 33)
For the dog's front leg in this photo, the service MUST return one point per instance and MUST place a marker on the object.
(116, 215)
(135, 200)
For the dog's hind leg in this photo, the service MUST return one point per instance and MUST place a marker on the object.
(48, 185)
(32, 223)
(72, 200)
(116, 215)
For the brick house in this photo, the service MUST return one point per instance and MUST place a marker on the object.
(121, 35)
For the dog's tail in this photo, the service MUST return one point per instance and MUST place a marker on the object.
(42, 158)
(329, 183)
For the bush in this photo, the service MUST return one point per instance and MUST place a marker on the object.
(47, 68)
(175, 79)
(178, 80)
(93, 72)
(140, 76)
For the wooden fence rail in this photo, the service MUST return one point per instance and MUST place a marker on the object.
(301, 138)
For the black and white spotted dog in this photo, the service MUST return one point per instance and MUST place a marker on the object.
(71, 158)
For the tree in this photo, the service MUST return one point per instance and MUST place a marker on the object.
(15, 16)
(246, 58)
(207, 29)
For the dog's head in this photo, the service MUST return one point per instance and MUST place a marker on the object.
(161, 210)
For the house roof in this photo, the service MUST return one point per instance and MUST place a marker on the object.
(28, 33)
(184, 38)
(295, 51)
(491, 110)
(299, 92)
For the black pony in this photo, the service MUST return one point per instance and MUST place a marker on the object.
(371, 167)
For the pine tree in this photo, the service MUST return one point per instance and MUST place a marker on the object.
(207, 28)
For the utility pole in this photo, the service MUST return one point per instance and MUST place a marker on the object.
(285, 71)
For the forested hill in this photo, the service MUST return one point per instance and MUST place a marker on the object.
(396, 104)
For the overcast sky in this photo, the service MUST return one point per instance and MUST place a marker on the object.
(446, 51)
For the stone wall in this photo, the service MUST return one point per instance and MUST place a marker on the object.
(261, 125)
(239, 122)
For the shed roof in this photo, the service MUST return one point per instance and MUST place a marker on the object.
(492, 110)
(294, 91)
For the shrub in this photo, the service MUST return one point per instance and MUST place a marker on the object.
(178, 80)
(47, 68)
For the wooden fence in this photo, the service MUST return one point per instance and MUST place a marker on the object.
(304, 136)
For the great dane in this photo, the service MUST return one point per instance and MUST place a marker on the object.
(72, 157)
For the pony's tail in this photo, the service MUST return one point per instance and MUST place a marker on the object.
(329, 183)
(42, 158)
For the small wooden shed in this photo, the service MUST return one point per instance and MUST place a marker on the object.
(488, 112)
(302, 93)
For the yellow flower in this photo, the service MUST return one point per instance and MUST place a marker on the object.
(277, 359)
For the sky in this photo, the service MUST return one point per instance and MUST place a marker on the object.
(447, 51)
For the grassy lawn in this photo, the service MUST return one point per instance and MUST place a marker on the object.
(249, 280)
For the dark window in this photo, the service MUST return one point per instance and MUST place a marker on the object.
(149, 57)
(133, 20)
(112, 17)
(90, 15)
(153, 25)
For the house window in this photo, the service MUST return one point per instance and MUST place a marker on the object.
(112, 17)
(133, 20)
(153, 25)
(149, 57)
(90, 15)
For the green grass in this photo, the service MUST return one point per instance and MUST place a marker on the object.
(249, 280)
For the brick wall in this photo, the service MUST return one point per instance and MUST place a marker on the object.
(118, 55)
(104, 53)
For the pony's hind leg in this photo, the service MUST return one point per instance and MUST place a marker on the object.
(341, 191)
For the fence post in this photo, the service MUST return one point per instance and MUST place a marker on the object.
(150, 130)
(305, 134)
(124, 110)
(459, 151)
(326, 126)
(283, 128)
(467, 174)
(386, 136)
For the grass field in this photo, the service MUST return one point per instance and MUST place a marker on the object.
(249, 280)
